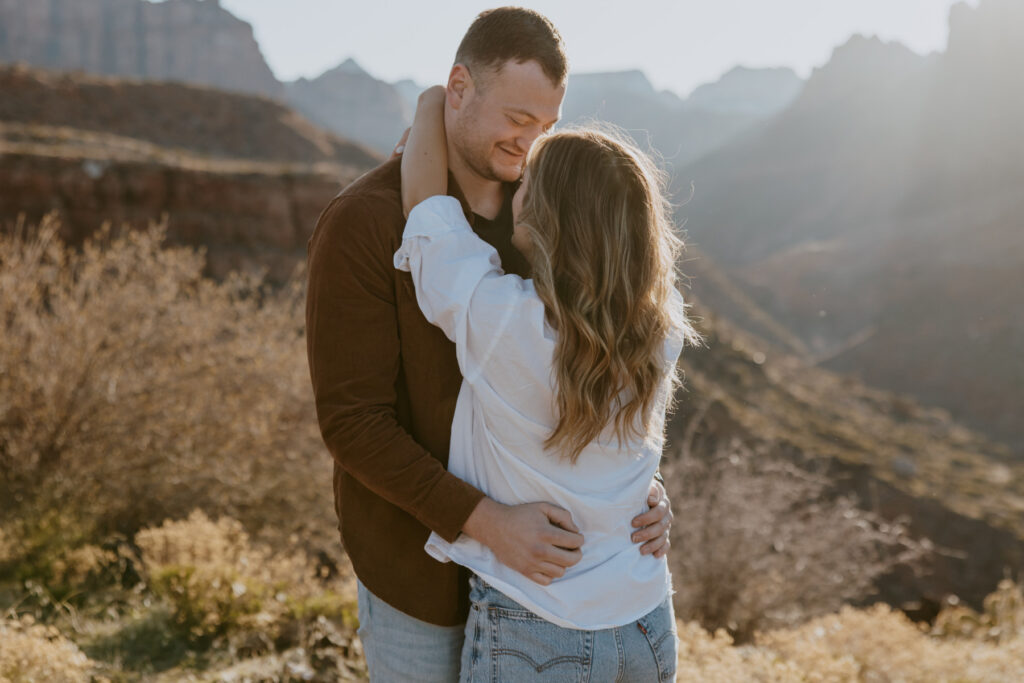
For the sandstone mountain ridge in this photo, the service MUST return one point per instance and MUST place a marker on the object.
(878, 217)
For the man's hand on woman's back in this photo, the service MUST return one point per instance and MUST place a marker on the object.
(538, 540)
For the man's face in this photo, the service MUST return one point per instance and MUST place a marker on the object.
(499, 116)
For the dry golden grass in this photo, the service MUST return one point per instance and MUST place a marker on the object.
(38, 653)
(876, 644)
(1001, 620)
(853, 646)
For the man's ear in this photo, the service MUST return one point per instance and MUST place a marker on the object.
(460, 83)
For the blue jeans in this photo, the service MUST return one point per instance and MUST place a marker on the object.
(507, 643)
(403, 649)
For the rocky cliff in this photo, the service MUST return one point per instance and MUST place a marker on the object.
(242, 175)
(248, 217)
(194, 41)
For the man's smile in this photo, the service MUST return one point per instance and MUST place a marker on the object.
(515, 155)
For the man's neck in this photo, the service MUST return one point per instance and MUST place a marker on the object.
(485, 197)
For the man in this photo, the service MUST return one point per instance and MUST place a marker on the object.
(386, 381)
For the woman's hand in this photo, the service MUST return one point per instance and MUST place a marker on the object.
(653, 526)
(425, 156)
(400, 145)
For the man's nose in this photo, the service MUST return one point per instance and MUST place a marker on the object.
(527, 138)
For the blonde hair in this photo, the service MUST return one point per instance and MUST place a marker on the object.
(604, 264)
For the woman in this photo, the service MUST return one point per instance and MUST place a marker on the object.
(567, 380)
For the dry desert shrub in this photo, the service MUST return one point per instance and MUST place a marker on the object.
(1001, 618)
(220, 583)
(133, 389)
(37, 653)
(81, 565)
(712, 658)
(759, 543)
(876, 644)
(882, 644)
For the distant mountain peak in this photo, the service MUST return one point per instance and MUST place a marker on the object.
(741, 74)
(633, 80)
(351, 66)
(869, 52)
(988, 34)
(749, 90)
(866, 64)
(741, 71)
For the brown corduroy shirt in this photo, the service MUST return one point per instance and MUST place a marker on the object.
(385, 382)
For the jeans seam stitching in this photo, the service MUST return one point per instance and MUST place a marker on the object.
(474, 654)
(588, 656)
(645, 629)
(491, 618)
(620, 655)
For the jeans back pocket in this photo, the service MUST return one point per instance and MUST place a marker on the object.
(525, 647)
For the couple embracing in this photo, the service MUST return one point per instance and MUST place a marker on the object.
(493, 328)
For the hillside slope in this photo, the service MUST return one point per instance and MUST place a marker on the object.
(879, 217)
(959, 489)
(172, 115)
(241, 175)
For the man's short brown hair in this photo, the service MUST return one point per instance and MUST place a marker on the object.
(514, 34)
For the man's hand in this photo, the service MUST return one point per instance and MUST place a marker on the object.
(653, 525)
(538, 540)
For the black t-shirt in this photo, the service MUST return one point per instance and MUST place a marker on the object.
(498, 233)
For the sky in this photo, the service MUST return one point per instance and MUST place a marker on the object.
(679, 44)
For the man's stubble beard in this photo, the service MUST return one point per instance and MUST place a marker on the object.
(474, 152)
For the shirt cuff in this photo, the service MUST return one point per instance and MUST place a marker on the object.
(450, 505)
(433, 217)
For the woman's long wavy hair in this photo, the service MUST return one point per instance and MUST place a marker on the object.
(604, 257)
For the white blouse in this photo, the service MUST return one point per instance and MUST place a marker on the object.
(504, 412)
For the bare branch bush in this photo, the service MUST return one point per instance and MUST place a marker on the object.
(133, 389)
(760, 543)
